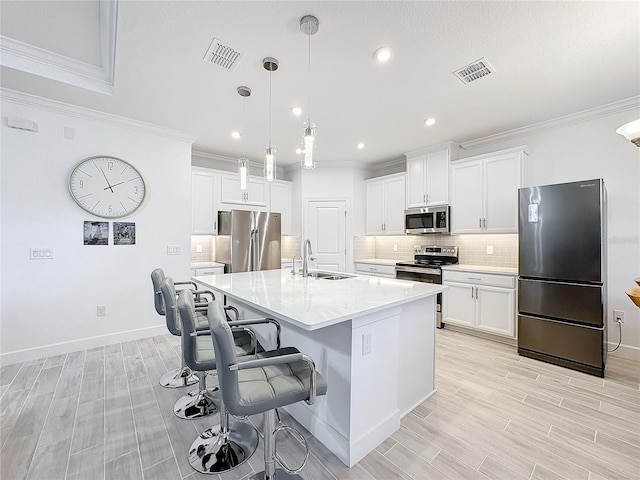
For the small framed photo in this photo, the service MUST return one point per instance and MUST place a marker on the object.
(124, 233)
(96, 233)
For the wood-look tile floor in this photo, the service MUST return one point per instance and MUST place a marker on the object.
(100, 414)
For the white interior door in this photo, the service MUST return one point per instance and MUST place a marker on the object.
(326, 228)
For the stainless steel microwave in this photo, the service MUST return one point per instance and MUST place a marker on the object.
(427, 220)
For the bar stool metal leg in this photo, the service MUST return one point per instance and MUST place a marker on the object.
(179, 377)
(270, 471)
(199, 402)
(220, 448)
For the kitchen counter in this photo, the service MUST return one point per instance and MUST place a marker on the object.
(380, 261)
(482, 268)
(372, 338)
(312, 303)
(206, 264)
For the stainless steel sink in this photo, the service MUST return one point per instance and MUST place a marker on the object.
(330, 275)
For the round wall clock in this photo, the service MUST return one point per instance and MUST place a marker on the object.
(106, 186)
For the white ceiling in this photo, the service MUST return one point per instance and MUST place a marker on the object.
(551, 59)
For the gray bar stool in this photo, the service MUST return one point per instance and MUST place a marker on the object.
(182, 376)
(197, 353)
(225, 446)
(260, 385)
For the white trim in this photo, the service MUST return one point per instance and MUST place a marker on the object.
(564, 121)
(451, 145)
(71, 346)
(228, 164)
(625, 351)
(520, 149)
(45, 63)
(55, 106)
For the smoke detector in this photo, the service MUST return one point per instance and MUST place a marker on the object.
(474, 71)
(222, 55)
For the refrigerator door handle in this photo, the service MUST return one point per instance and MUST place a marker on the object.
(255, 249)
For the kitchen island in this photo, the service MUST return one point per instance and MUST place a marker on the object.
(372, 338)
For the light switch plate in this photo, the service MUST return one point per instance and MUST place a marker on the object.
(174, 250)
(41, 253)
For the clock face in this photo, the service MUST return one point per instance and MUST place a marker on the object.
(106, 186)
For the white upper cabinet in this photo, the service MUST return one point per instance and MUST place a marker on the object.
(204, 211)
(428, 175)
(281, 202)
(231, 197)
(385, 205)
(484, 196)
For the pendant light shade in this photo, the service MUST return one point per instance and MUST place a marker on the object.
(631, 131)
(309, 26)
(243, 163)
(271, 65)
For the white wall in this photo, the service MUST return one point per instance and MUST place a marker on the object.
(588, 149)
(49, 306)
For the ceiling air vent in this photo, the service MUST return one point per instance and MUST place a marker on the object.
(222, 55)
(474, 71)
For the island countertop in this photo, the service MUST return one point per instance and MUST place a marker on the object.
(312, 303)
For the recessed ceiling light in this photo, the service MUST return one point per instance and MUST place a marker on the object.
(360, 145)
(383, 54)
(296, 110)
(299, 151)
(235, 134)
(430, 121)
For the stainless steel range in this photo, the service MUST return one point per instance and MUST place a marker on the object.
(426, 268)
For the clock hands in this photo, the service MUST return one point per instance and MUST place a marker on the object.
(105, 177)
(114, 185)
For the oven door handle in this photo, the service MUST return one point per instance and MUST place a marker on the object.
(428, 271)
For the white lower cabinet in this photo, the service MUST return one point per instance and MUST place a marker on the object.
(485, 302)
(376, 270)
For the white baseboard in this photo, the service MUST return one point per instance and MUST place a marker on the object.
(625, 351)
(35, 353)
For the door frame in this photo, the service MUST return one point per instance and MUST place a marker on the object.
(348, 241)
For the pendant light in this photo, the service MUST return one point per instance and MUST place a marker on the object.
(243, 162)
(271, 65)
(309, 26)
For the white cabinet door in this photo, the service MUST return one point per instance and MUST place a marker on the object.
(416, 184)
(466, 201)
(495, 310)
(437, 178)
(281, 202)
(385, 205)
(255, 198)
(375, 207)
(501, 183)
(459, 304)
(203, 203)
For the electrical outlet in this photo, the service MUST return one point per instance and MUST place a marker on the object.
(174, 250)
(489, 250)
(618, 316)
(395, 247)
(366, 344)
(41, 253)
(199, 248)
(101, 311)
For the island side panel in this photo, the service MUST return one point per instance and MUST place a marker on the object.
(416, 373)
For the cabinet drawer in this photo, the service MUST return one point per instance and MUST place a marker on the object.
(506, 281)
(368, 268)
(208, 271)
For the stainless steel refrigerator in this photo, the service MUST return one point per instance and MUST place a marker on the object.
(562, 275)
(248, 241)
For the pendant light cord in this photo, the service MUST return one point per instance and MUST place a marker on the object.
(244, 105)
(309, 98)
(270, 72)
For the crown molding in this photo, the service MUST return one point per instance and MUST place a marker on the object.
(45, 63)
(564, 121)
(19, 98)
(451, 145)
(229, 164)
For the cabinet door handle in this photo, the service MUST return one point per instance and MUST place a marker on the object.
(472, 292)
(479, 222)
(484, 223)
(476, 293)
(426, 198)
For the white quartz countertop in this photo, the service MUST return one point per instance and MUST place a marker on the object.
(206, 264)
(378, 261)
(312, 303)
(481, 268)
